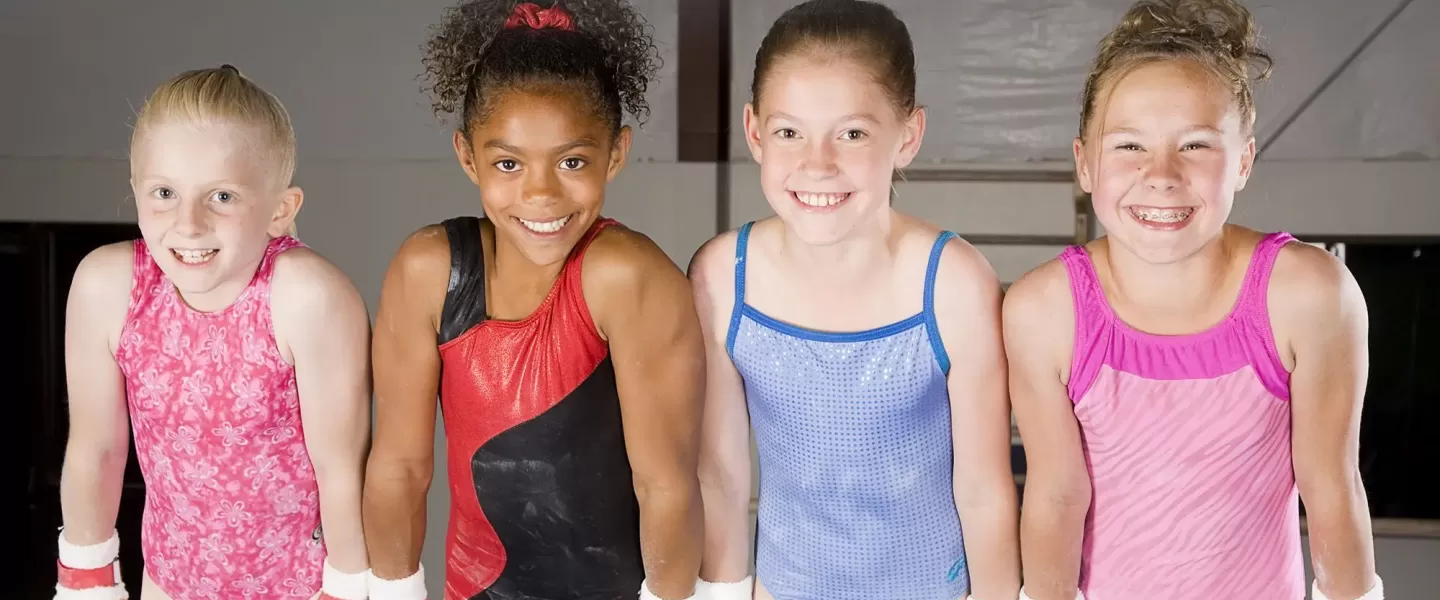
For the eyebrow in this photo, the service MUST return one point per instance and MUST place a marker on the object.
(849, 117)
(1190, 129)
(566, 147)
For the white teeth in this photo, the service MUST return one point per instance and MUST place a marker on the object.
(545, 226)
(820, 200)
(1162, 215)
(193, 257)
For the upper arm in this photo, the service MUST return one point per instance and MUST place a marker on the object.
(405, 353)
(322, 324)
(725, 436)
(1320, 314)
(967, 313)
(95, 310)
(642, 304)
(1039, 324)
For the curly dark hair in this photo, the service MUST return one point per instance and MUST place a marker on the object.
(471, 56)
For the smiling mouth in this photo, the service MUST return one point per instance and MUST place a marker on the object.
(1164, 218)
(820, 200)
(546, 227)
(194, 257)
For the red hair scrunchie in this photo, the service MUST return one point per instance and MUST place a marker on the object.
(530, 15)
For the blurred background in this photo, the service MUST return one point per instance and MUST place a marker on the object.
(1349, 127)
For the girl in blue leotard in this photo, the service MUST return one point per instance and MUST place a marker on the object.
(862, 344)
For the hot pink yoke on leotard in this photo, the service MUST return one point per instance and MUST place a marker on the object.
(231, 505)
(1187, 439)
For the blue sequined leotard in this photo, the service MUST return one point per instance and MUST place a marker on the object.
(853, 429)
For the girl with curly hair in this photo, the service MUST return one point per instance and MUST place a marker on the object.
(564, 348)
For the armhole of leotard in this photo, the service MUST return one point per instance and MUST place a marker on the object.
(1256, 307)
(464, 305)
(742, 242)
(932, 326)
(1089, 312)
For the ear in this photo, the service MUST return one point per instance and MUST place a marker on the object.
(282, 222)
(466, 157)
(619, 152)
(1082, 166)
(914, 134)
(1247, 164)
(752, 131)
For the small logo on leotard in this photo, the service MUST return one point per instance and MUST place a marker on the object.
(315, 537)
(955, 570)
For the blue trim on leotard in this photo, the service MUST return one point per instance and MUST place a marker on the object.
(856, 457)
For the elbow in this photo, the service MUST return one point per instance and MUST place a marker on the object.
(725, 484)
(388, 474)
(671, 491)
(1062, 496)
(1332, 496)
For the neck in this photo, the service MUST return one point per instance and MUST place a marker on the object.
(518, 268)
(1179, 287)
(869, 244)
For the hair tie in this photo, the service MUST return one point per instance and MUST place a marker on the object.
(530, 15)
(230, 68)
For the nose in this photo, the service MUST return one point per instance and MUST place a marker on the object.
(192, 219)
(819, 160)
(540, 188)
(1162, 171)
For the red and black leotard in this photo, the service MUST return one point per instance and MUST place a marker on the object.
(542, 504)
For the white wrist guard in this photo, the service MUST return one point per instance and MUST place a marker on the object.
(734, 590)
(1024, 596)
(1375, 593)
(646, 594)
(339, 585)
(409, 588)
(89, 572)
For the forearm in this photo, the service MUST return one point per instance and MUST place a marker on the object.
(1341, 542)
(991, 521)
(394, 517)
(1052, 529)
(90, 484)
(340, 498)
(672, 532)
(727, 529)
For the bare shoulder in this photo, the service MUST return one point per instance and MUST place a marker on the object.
(1039, 301)
(1311, 293)
(712, 269)
(100, 288)
(106, 272)
(307, 282)
(620, 256)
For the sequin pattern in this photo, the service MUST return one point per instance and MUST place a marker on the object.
(854, 438)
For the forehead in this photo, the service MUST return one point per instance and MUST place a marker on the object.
(540, 114)
(818, 88)
(182, 151)
(1169, 92)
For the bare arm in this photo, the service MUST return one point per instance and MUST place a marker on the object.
(1320, 309)
(1039, 323)
(323, 327)
(967, 311)
(725, 468)
(642, 304)
(99, 438)
(406, 362)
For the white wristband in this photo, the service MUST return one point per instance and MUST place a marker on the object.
(732, 590)
(646, 594)
(1376, 593)
(93, 556)
(409, 588)
(344, 586)
(1023, 596)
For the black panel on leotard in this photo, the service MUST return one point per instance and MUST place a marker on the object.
(465, 295)
(570, 518)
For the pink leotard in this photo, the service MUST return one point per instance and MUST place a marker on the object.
(1187, 439)
(231, 505)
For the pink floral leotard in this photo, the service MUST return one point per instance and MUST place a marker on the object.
(231, 504)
